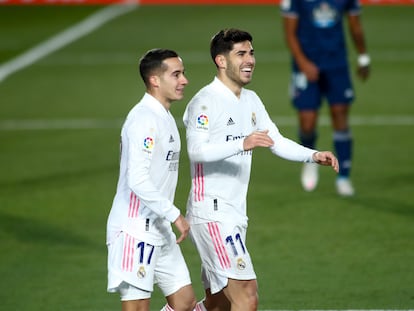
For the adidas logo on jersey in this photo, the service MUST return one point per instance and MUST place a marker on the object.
(230, 122)
(171, 139)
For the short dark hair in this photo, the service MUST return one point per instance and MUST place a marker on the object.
(223, 41)
(153, 61)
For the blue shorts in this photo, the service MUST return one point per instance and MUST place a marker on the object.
(334, 85)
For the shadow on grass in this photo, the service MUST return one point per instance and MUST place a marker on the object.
(66, 174)
(33, 231)
(386, 205)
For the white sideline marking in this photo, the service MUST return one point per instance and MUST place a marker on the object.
(81, 124)
(355, 120)
(75, 124)
(63, 38)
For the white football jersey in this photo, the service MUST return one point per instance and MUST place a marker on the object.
(150, 150)
(216, 124)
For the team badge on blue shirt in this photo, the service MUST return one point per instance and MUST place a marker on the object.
(324, 16)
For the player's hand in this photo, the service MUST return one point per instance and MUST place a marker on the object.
(310, 70)
(326, 158)
(257, 139)
(363, 72)
(183, 227)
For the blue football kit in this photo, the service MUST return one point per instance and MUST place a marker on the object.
(322, 39)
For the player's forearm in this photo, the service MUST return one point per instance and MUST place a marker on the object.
(357, 34)
(211, 152)
(290, 150)
(153, 199)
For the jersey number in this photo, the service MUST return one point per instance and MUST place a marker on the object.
(143, 249)
(230, 240)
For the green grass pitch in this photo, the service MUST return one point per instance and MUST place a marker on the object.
(59, 129)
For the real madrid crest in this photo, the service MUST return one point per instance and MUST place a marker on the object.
(141, 272)
(241, 265)
(254, 121)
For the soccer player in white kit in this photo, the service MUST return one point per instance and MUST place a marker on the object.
(224, 123)
(142, 247)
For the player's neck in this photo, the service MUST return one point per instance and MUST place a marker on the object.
(166, 103)
(233, 86)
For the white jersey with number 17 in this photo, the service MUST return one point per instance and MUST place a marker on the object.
(150, 150)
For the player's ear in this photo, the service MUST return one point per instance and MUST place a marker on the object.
(220, 61)
(154, 81)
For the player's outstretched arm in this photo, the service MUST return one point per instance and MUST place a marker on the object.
(326, 158)
(183, 227)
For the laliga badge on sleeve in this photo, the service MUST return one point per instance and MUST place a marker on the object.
(202, 122)
(148, 144)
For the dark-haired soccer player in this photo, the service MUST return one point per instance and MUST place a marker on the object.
(224, 123)
(316, 39)
(142, 248)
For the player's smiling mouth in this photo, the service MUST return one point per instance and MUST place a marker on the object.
(247, 69)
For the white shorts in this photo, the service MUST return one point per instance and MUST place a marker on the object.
(223, 254)
(142, 265)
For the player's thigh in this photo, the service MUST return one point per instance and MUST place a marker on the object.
(223, 253)
(337, 86)
(131, 261)
(171, 273)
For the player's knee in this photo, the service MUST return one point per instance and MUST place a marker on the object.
(253, 302)
(183, 300)
(248, 303)
(191, 304)
(187, 303)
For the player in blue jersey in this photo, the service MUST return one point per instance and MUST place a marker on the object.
(315, 37)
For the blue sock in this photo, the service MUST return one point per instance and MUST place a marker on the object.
(308, 139)
(343, 147)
